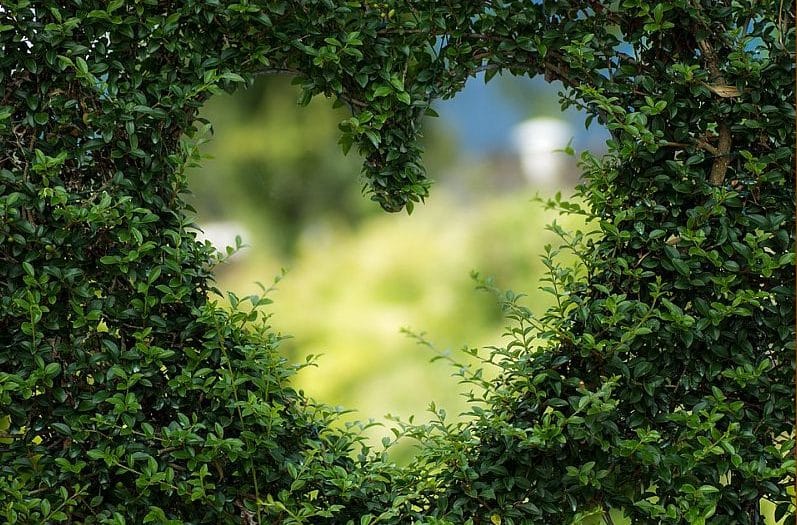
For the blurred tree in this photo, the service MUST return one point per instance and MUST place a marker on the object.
(281, 164)
(265, 158)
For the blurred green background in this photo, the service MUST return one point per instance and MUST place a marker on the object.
(357, 276)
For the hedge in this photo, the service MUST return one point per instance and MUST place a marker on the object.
(659, 387)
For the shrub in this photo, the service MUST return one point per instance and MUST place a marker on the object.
(657, 386)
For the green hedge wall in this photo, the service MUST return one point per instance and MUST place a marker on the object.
(659, 387)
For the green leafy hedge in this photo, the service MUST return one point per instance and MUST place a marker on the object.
(659, 386)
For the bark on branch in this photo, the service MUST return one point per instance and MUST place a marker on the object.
(725, 142)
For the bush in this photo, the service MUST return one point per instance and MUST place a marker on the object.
(657, 386)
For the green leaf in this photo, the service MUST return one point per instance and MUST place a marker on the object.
(362, 79)
(397, 83)
(382, 91)
(62, 428)
(233, 77)
(373, 137)
(81, 65)
(680, 266)
(52, 369)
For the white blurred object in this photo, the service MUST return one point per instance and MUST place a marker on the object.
(222, 234)
(537, 141)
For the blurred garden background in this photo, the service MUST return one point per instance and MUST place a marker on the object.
(356, 275)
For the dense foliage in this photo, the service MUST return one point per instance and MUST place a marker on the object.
(658, 385)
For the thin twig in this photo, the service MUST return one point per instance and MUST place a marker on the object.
(700, 144)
